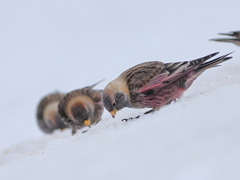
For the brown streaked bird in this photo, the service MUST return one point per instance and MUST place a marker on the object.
(82, 107)
(47, 113)
(154, 84)
(235, 40)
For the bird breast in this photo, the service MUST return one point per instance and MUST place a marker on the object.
(155, 98)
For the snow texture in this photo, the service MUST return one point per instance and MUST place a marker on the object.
(49, 46)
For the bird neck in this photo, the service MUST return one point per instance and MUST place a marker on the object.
(121, 85)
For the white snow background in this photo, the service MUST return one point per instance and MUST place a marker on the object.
(64, 45)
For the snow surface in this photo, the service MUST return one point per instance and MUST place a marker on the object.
(48, 46)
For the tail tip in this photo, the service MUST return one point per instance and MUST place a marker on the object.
(227, 58)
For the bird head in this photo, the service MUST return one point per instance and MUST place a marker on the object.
(115, 97)
(82, 113)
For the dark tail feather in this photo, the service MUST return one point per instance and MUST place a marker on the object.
(213, 63)
(233, 34)
(226, 34)
(202, 59)
(173, 67)
(204, 66)
(224, 40)
(94, 84)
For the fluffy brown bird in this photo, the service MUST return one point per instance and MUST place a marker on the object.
(47, 113)
(154, 84)
(235, 40)
(81, 107)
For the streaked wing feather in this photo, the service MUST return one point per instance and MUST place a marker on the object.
(184, 68)
(155, 82)
(140, 75)
(173, 71)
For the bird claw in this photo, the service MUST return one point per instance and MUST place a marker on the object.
(150, 111)
(85, 131)
(131, 118)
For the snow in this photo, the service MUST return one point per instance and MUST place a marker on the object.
(48, 46)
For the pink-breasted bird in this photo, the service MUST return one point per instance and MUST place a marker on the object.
(154, 84)
(81, 107)
(235, 40)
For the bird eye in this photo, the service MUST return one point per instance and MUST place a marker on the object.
(114, 104)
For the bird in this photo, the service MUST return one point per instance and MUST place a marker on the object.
(81, 107)
(47, 115)
(235, 40)
(154, 84)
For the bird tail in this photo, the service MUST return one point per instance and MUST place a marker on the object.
(94, 84)
(224, 40)
(233, 34)
(204, 66)
(227, 34)
(212, 63)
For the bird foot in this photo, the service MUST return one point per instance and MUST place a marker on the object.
(85, 131)
(131, 118)
(147, 112)
(150, 111)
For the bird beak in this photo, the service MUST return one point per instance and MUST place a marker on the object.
(87, 122)
(113, 113)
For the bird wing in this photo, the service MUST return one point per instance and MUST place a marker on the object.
(149, 75)
(140, 75)
(95, 95)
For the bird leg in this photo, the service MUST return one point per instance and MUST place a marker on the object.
(74, 131)
(147, 112)
(150, 111)
(87, 129)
